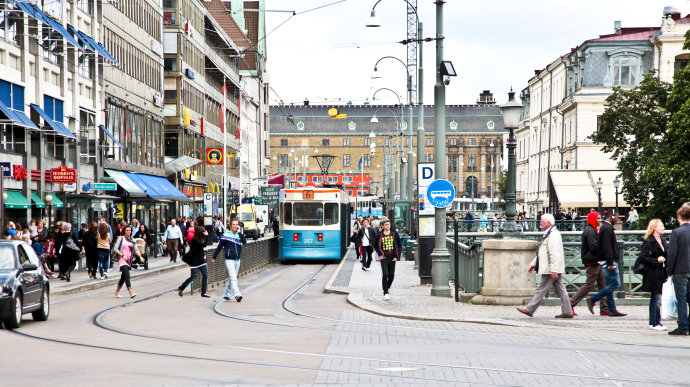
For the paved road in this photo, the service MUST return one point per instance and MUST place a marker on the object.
(284, 333)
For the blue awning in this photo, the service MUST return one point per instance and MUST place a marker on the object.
(37, 14)
(91, 44)
(57, 126)
(117, 143)
(156, 186)
(18, 117)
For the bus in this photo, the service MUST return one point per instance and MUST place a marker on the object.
(314, 224)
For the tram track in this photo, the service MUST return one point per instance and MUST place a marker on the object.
(96, 319)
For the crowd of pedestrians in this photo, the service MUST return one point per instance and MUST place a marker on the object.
(377, 236)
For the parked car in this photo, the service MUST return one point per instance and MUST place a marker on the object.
(24, 287)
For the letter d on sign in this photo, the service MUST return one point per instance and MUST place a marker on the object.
(427, 173)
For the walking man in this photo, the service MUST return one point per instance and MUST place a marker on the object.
(232, 242)
(173, 240)
(678, 266)
(550, 264)
(366, 237)
(608, 257)
(589, 254)
(388, 246)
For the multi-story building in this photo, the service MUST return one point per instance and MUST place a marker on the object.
(474, 138)
(558, 165)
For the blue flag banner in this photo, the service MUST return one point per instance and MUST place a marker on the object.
(360, 163)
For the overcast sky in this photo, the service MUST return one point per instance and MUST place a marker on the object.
(328, 55)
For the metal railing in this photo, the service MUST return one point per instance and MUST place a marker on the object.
(467, 259)
(255, 255)
(527, 225)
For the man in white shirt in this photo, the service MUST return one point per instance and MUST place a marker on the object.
(633, 217)
(173, 239)
(366, 237)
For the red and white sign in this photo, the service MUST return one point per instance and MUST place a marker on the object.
(63, 175)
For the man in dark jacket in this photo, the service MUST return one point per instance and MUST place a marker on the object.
(232, 242)
(276, 226)
(366, 236)
(388, 246)
(608, 256)
(589, 253)
(678, 266)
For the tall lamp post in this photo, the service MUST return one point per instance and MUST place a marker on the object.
(511, 118)
(616, 184)
(49, 201)
(600, 185)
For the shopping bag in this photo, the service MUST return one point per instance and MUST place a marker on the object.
(669, 304)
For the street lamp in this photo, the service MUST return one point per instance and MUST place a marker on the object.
(600, 185)
(616, 184)
(512, 111)
(49, 201)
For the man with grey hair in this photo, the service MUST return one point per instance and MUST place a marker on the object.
(135, 226)
(550, 264)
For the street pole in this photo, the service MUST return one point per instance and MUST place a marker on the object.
(421, 157)
(403, 171)
(304, 168)
(410, 163)
(440, 257)
(397, 162)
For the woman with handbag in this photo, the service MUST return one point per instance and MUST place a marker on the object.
(124, 250)
(68, 252)
(196, 259)
(90, 246)
(653, 255)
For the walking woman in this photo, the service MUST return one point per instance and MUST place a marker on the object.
(124, 250)
(103, 249)
(90, 246)
(196, 259)
(653, 254)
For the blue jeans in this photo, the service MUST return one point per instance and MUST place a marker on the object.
(612, 284)
(204, 278)
(103, 260)
(680, 283)
(233, 266)
(654, 310)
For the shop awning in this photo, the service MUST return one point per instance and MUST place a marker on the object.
(57, 203)
(107, 132)
(277, 180)
(56, 126)
(15, 199)
(17, 117)
(124, 181)
(178, 164)
(37, 14)
(156, 187)
(92, 45)
(37, 200)
(577, 188)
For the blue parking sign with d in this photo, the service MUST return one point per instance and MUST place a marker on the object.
(440, 193)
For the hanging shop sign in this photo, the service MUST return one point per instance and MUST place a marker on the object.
(63, 175)
(214, 156)
(19, 172)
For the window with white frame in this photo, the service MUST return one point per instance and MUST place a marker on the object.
(10, 24)
(346, 160)
(346, 142)
(317, 179)
(389, 141)
(300, 179)
(332, 179)
(471, 141)
(472, 160)
(347, 179)
(430, 141)
(367, 141)
(429, 157)
(367, 160)
(87, 137)
(624, 70)
(452, 141)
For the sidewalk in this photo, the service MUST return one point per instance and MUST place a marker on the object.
(410, 300)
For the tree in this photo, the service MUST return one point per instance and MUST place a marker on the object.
(502, 188)
(647, 129)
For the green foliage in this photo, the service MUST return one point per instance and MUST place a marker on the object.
(502, 187)
(647, 129)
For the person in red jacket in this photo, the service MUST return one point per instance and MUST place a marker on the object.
(388, 246)
(595, 273)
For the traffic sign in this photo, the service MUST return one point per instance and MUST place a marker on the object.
(104, 186)
(440, 193)
(426, 175)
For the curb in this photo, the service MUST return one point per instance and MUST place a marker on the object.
(329, 288)
(97, 284)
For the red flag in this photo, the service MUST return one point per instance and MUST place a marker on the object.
(222, 108)
(239, 113)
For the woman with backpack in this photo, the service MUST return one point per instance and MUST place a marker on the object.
(196, 259)
(124, 250)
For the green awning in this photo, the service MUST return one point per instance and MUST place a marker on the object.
(37, 200)
(15, 199)
(57, 203)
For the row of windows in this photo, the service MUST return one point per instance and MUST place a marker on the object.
(143, 14)
(389, 141)
(141, 136)
(135, 62)
(192, 98)
(193, 56)
(11, 25)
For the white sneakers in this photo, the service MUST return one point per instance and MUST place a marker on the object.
(386, 297)
(659, 327)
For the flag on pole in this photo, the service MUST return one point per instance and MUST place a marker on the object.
(222, 108)
(360, 163)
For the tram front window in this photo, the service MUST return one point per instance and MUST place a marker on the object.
(308, 214)
(330, 215)
(287, 213)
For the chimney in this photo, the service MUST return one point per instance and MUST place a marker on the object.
(672, 12)
(306, 102)
(617, 27)
(486, 98)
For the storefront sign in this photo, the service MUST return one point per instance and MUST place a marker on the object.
(208, 209)
(104, 186)
(6, 169)
(269, 196)
(70, 187)
(18, 172)
(63, 175)
(118, 211)
(214, 156)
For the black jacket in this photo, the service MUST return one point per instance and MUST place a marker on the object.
(196, 256)
(148, 237)
(276, 226)
(90, 243)
(650, 252)
(371, 234)
(397, 245)
(679, 251)
(67, 255)
(608, 245)
(590, 246)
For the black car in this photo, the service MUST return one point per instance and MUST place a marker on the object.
(24, 287)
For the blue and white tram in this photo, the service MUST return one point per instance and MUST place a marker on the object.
(367, 206)
(314, 224)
